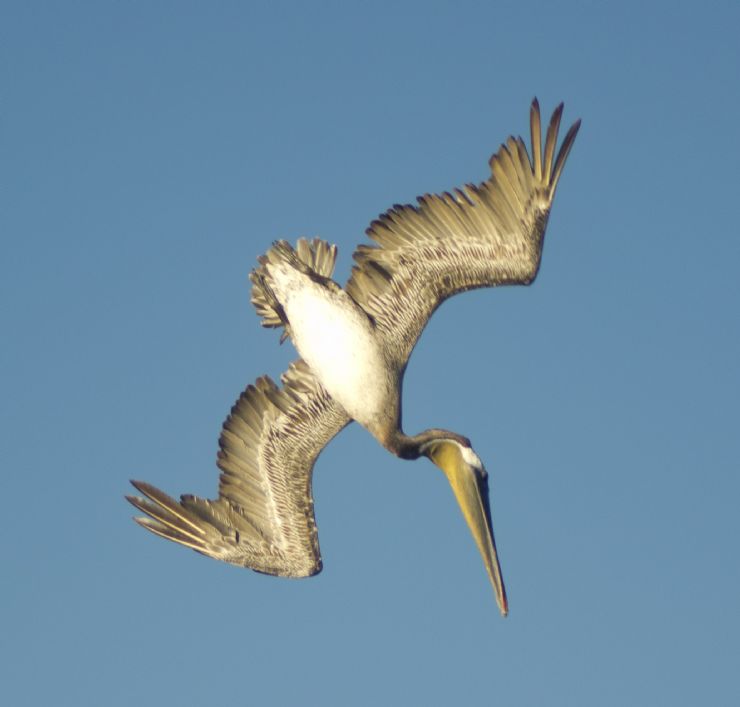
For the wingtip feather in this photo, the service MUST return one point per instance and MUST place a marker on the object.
(563, 153)
(551, 141)
(535, 127)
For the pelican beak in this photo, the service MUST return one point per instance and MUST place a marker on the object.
(470, 485)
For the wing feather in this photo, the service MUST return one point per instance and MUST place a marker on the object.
(263, 517)
(476, 236)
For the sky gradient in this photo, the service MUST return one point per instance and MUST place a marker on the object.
(149, 152)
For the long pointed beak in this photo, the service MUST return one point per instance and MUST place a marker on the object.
(471, 491)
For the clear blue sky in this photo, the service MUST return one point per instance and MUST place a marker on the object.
(151, 151)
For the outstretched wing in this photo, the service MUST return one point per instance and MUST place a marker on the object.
(478, 236)
(263, 517)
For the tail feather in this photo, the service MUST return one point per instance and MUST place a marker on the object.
(315, 257)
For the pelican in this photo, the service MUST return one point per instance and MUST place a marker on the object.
(354, 345)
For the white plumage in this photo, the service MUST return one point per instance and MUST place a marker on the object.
(337, 341)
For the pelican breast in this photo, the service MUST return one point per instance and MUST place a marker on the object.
(340, 344)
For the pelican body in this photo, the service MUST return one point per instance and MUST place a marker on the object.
(337, 340)
(354, 345)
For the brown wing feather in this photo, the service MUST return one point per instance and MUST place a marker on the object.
(263, 517)
(478, 236)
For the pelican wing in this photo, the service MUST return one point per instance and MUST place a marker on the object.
(263, 517)
(478, 236)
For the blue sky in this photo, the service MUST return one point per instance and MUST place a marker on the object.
(149, 152)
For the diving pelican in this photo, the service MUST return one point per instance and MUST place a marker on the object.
(354, 345)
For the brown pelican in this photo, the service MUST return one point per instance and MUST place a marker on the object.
(354, 345)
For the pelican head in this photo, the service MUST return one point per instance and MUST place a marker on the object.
(469, 480)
